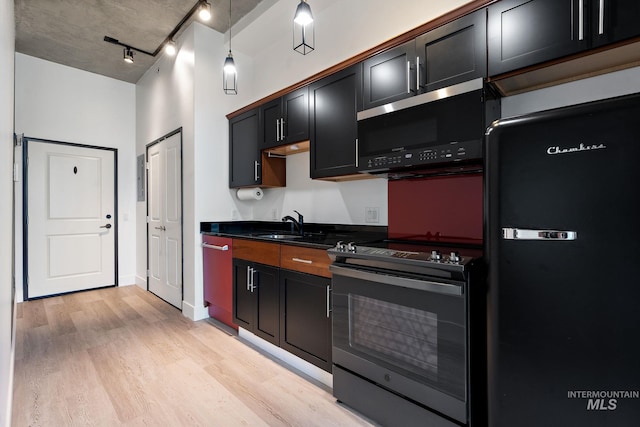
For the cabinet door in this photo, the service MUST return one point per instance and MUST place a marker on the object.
(305, 323)
(266, 290)
(244, 163)
(523, 33)
(333, 128)
(270, 128)
(389, 76)
(453, 53)
(614, 20)
(295, 106)
(244, 302)
(218, 277)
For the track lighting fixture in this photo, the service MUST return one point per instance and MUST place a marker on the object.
(203, 7)
(128, 55)
(205, 11)
(303, 29)
(170, 48)
(229, 72)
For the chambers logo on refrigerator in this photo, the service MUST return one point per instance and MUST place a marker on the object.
(603, 400)
(559, 150)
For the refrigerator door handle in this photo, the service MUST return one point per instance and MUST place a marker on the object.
(524, 234)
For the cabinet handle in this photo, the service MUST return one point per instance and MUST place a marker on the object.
(328, 303)
(305, 261)
(218, 248)
(417, 74)
(357, 152)
(601, 18)
(408, 76)
(282, 129)
(278, 130)
(581, 20)
(255, 170)
(248, 277)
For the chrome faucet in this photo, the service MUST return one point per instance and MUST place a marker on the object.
(296, 225)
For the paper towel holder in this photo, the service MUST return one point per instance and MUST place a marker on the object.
(254, 193)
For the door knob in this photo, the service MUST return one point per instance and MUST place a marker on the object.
(108, 226)
(161, 228)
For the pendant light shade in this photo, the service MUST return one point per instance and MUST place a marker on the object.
(229, 72)
(303, 29)
(128, 55)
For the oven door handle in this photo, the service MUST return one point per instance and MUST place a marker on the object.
(421, 285)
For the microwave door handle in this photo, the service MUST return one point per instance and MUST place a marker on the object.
(421, 285)
(528, 234)
(409, 77)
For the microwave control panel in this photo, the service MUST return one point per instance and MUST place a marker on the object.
(436, 154)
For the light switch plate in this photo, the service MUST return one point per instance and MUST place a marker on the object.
(372, 215)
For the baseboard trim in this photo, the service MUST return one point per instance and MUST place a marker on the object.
(292, 360)
(194, 313)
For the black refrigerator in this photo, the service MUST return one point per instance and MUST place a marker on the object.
(562, 244)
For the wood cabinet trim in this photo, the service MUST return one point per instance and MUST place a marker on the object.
(305, 260)
(396, 41)
(256, 251)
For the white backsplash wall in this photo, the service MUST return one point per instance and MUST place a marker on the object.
(320, 201)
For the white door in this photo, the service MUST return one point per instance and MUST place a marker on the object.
(164, 219)
(70, 218)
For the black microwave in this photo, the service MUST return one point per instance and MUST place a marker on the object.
(433, 129)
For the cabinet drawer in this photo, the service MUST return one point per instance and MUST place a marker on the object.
(260, 252)
(306, 260)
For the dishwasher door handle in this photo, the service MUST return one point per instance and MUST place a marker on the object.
(218, 248)
(407, 282)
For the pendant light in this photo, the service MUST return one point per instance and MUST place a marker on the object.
(229, 72)
(303, 29)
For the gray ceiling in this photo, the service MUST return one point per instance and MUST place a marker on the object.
(71, 32)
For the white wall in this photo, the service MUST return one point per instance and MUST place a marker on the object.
(7, 328)
(60, 103)
(618, 83)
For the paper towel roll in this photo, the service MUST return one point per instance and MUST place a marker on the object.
(255, 193)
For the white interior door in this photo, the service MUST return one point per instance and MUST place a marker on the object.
(70, 218)
(164, 220)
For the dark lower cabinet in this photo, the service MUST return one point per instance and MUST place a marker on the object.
(305, 319)
(256, 299)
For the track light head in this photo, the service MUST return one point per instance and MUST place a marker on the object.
(170, 48)
(205, 11)
(128, 55)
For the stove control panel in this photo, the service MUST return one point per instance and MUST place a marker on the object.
(435, 256)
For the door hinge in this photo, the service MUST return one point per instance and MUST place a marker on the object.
(147, 165)
(148, 273)
(17, 139)
(148, 220)
(15, 173)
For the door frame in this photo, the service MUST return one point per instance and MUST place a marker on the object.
(25, 210)
(146, 162)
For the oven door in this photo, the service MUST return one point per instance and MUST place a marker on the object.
(405, 333)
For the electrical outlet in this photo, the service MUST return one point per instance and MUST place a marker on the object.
(234, 214)
(372, 215)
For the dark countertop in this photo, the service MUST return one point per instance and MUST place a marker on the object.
(322, 236)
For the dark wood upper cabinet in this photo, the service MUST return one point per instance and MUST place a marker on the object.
(453, 53)
(244, 155)
(285, 120)
(389, 76)
(614, 20)
(334, 102)
(524, 33)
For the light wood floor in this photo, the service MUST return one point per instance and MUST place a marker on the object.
(122, 356)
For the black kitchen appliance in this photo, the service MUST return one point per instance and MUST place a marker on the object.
(408, 342)
(444, 126)
(562, 243)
